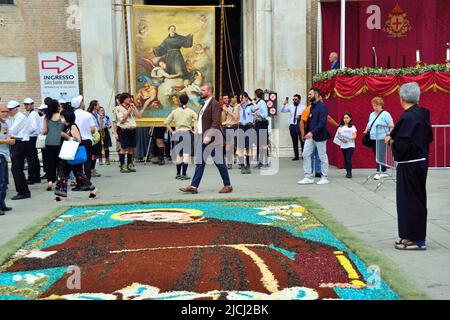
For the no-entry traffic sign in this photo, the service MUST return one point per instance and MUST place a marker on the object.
(59, 75)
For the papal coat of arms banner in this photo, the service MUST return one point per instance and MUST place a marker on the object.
(174, 54)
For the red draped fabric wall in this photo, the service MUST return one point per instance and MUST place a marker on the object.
(429, 32)
(331, 30)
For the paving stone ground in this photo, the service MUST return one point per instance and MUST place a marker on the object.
(370, 215)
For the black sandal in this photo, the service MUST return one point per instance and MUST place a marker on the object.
(93, 194)
(410, 246)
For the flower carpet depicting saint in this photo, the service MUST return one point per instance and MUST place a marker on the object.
(193, 250)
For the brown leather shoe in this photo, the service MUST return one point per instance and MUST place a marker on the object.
(190, 189)
(226, 189)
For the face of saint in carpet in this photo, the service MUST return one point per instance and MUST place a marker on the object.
(158, 216)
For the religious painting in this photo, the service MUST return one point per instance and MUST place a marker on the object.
(174, 54)
(234, 250)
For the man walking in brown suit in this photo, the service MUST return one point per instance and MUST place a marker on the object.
(211, 139)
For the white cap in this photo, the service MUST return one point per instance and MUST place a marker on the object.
(76, 102)
(13, 104)
(28, 101)
(43, 106)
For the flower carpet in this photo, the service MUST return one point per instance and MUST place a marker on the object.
(235, 250)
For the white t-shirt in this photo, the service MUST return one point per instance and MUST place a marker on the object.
(85, 121)
(35, 123)
(345, 133)
(19, 127)
(200, 116)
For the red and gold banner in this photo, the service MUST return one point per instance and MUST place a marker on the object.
(348, 87)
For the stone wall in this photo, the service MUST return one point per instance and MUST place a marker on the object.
(30, 27)
(279, 48)
(277, 55)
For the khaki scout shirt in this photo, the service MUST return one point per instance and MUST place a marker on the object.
(231, 118)
(183, 119)
(130, 123)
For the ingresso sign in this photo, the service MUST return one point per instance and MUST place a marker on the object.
(58, 75)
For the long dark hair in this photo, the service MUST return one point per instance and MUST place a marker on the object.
(69, 116)
(116, 100)
(350, 124)
(53, 107)
(245, 95)
(92, 105)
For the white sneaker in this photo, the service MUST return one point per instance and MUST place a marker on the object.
(384, 175)
(306, 181)
(323, 181)
(376, 177)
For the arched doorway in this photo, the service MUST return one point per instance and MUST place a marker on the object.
(235, 22)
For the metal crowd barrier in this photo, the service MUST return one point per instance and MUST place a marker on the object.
(438, 152)
(384, 157)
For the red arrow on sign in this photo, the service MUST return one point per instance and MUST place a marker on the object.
(60, 64)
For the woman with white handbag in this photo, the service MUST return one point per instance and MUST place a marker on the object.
(71, 133)
(52, 128)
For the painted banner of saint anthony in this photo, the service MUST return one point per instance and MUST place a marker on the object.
(174, 54)
(170, 50)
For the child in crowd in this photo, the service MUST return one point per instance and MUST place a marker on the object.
(346, 135)
(105, 125)
(184, 118)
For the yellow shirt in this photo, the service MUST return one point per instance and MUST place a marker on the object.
(183, 119)
(130, 123)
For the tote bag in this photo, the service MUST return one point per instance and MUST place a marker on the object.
(40, 141)
(80, 156)
(95, 137)
(69, 149)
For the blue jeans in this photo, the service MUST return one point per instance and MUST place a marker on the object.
(311, 147)
(315, 162)
(3, 181)
(200, 168)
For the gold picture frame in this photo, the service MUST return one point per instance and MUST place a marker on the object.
(167, 63)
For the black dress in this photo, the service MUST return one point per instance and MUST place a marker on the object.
(106, 136)
(412, 136)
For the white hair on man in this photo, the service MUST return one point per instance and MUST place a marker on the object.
(410, 92)
(334, 54)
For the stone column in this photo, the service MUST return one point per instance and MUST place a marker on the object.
(97, 51)
(120, 47)
(276, 54)
(249, 43)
